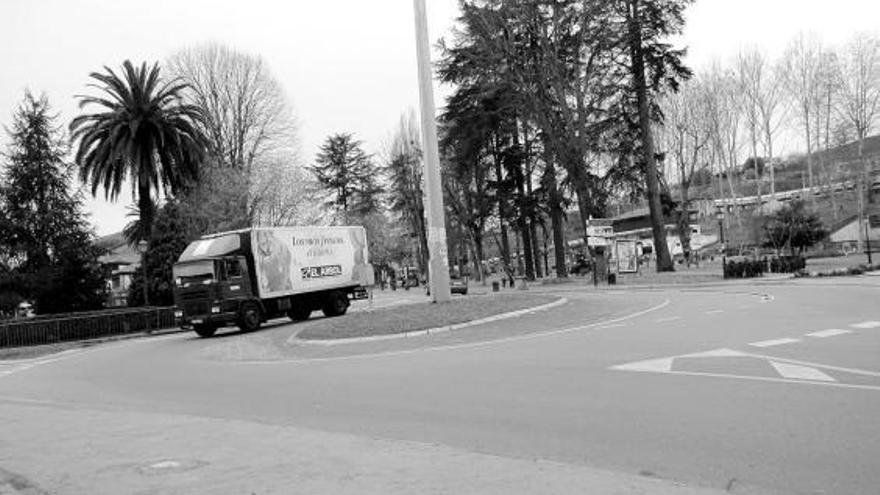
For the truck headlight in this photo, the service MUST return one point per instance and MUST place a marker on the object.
(215, 309)
(178, 314)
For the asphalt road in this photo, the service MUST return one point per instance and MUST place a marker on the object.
(763, 388)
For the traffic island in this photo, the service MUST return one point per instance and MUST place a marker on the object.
(423, 318)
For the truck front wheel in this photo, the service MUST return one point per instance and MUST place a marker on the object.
(205, 330)
(336, 304)
(249, 318)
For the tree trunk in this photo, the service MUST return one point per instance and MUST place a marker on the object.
(528, 261)
(754, 136)
(145, 209)
(536, 249)
(423, 243)
(684, 227)
(664, 260)
(478, 255)
(546, 254)
(769, 137)
(522, 226)
(809, 159)
(556, 215)
(502, 218)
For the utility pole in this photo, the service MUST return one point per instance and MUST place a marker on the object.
(438, 265)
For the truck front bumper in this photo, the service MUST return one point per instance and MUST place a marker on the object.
(189, 322)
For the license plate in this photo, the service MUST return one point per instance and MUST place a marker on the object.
(197, 321)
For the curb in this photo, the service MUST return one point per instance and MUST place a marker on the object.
(435, 330)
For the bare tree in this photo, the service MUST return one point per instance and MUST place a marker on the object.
(750, 69)
(723, 100)
(859, 82)
(826, 96)
(283, 193)
(802, 63)
(248, 121)
(773, 110)
(761, 84)
(686, 134)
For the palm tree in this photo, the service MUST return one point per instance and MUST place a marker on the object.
(144, 133)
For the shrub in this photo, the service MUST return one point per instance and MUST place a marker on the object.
(744, 268)
(787, 264)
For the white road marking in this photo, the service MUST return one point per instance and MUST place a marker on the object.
(799, 372)
(775, 380)
(791, 370)
(724, 352)
(771, 343)
(853, 371)
(714, 311)
(613, 325)
(14, 366)
(668, 318)
(663, 365)
(831, 332)
(866, 324)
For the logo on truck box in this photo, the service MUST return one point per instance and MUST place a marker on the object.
(309, 272)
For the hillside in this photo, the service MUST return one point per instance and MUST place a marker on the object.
(835, 165)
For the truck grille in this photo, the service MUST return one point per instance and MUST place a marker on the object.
(195, 308)
(193, 294)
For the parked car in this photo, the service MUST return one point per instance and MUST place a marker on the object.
(458, 285)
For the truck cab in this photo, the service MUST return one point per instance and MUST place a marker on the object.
(210, 291)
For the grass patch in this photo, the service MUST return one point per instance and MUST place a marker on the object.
(419, 316)
(681, 276)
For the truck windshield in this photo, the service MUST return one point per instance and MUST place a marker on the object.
(196, 272)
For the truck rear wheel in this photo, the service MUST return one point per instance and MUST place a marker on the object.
(300, 313)
(205, 331)
(336, 304)
(249, 317)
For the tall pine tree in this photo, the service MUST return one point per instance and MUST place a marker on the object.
(349, 176)
(49, 253)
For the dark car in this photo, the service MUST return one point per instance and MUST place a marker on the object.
(458, 285)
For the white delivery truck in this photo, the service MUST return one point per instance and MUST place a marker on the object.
(248, 276)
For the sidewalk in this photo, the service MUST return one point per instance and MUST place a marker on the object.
(74, 450)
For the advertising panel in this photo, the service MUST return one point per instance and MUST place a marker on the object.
(627, 256)
(291, 260)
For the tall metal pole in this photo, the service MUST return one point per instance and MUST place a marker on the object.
(438, 265)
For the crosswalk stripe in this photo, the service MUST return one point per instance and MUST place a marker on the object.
(771, 343)
(831, 332)
(799, 372)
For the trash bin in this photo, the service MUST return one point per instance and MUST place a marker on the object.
(612, 278)
(495, 287)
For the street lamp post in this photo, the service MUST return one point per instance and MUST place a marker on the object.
(438, 266)
(142, 248)
(719, 214)
(867, 201)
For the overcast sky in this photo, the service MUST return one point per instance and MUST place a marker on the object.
(346, 65)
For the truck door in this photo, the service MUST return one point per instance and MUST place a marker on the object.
(234, 279)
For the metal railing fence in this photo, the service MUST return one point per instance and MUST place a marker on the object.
(50, 329)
